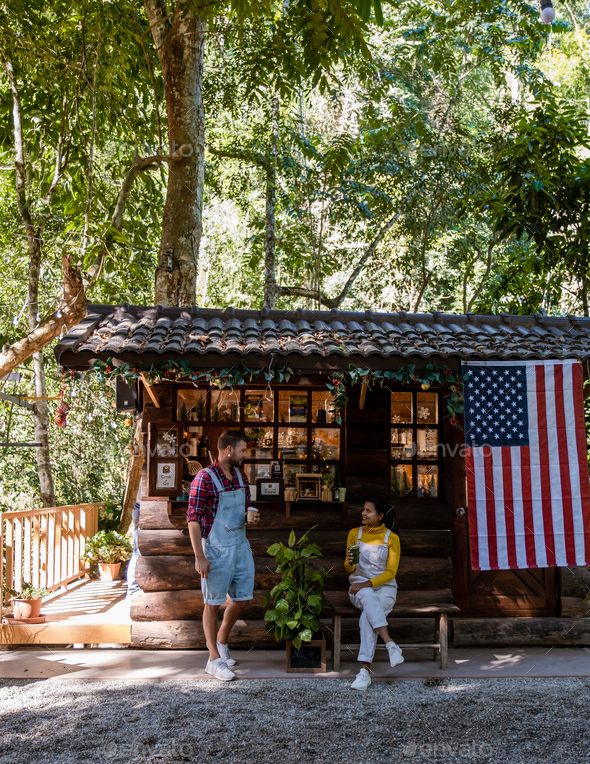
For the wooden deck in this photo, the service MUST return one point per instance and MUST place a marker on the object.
(88, 613)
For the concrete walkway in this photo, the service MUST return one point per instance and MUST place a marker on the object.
(127, 663)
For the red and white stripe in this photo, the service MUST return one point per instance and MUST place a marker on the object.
(529, 506)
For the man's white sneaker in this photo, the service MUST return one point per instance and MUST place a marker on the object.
(362, 681)
(225, 655)
(219, 670)
(395, 654)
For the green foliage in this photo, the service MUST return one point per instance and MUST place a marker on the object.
(432, 374)
(30, 592)
(299, 597)
(109, 547)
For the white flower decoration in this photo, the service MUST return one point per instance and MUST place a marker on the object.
(423, 412)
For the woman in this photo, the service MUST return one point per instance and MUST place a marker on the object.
(373, 586)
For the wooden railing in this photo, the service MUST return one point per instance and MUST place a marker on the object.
(43, 546)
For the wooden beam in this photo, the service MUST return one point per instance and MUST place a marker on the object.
(17, 399)
(152, 393)
(364, 388)
(64, 634)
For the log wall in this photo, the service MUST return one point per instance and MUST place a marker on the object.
(167, 612)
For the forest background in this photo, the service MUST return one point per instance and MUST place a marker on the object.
(441, 165)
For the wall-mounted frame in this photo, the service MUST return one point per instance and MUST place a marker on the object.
(165, 459)
(308, 486)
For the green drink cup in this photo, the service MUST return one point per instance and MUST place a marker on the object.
(356, 550)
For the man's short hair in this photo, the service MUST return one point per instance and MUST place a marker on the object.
(231, 438)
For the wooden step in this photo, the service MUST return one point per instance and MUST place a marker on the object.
(414, 543)
(513, 632)
(187, 604)
(170, 572)
(186, 635)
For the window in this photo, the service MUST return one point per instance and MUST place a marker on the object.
(416, 432)
(292, 424)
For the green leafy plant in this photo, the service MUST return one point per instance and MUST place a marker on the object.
(109, 516)
(299, 598)
(29, 592)
(109, 547)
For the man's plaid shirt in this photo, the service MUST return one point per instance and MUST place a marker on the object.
(204, 498)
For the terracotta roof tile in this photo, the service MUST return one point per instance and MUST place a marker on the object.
(135, 331)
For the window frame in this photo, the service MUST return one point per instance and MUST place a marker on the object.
(415, 461)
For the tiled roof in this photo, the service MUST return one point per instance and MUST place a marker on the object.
(133, 332)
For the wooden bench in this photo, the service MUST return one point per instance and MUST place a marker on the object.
(439, 611)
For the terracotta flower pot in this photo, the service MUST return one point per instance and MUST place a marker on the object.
(23, 608)
(109, 571)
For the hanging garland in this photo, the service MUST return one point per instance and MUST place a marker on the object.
(432, 373)
(241, 374)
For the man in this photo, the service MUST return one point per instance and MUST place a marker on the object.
(217, 513)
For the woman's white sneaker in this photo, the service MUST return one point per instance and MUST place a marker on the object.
(395, 654)
(362, 681)
(219, 670)
(225, 655)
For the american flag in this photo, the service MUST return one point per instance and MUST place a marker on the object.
(528, 490)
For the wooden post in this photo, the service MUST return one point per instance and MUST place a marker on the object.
(337, 629)
(18, 553)
(35, 551)
(9, 552)
(444, 641)
(133, 478)
(2, 568)
(151, 392)
(364, 388)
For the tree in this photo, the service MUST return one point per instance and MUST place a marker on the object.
(325, 34)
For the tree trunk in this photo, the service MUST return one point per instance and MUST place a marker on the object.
(180, 43)
(40, 409)
(41, 424)
(271, 290)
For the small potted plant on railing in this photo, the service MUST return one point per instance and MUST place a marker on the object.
(26, 605)
(108, 549)
(298, 603)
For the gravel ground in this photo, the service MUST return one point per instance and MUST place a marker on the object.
(66, 721)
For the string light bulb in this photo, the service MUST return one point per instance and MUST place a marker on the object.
(59, 314)
(547, 11)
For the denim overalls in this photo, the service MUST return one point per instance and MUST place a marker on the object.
(227, 548)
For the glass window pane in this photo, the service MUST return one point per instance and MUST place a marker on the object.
(427, 442)
(225, 406)
(191, 405)
(254, 471)
(325, 444)
(293, 406)
(401, 408)
(427, 408)
(322, 407)
(427, 480)
(289, 472)
(260, 442)
(259, 406)
(402, 444)
(166, 444)
(401, 479)
(292, 442)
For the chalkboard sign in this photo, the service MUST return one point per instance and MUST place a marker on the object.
(309, 658)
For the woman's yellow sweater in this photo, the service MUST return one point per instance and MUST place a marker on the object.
(376, 535)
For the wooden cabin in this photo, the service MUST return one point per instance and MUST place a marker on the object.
(370, 451)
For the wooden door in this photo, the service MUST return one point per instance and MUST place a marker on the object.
(527, 592)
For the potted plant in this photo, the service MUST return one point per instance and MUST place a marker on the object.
(108, 549)
(27, 604)
(298, 603)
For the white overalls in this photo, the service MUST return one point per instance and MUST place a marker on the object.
(227, 548)
(376, 602)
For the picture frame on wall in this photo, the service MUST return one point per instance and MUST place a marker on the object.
(308, 486)
(270, 489)
(165, 475)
